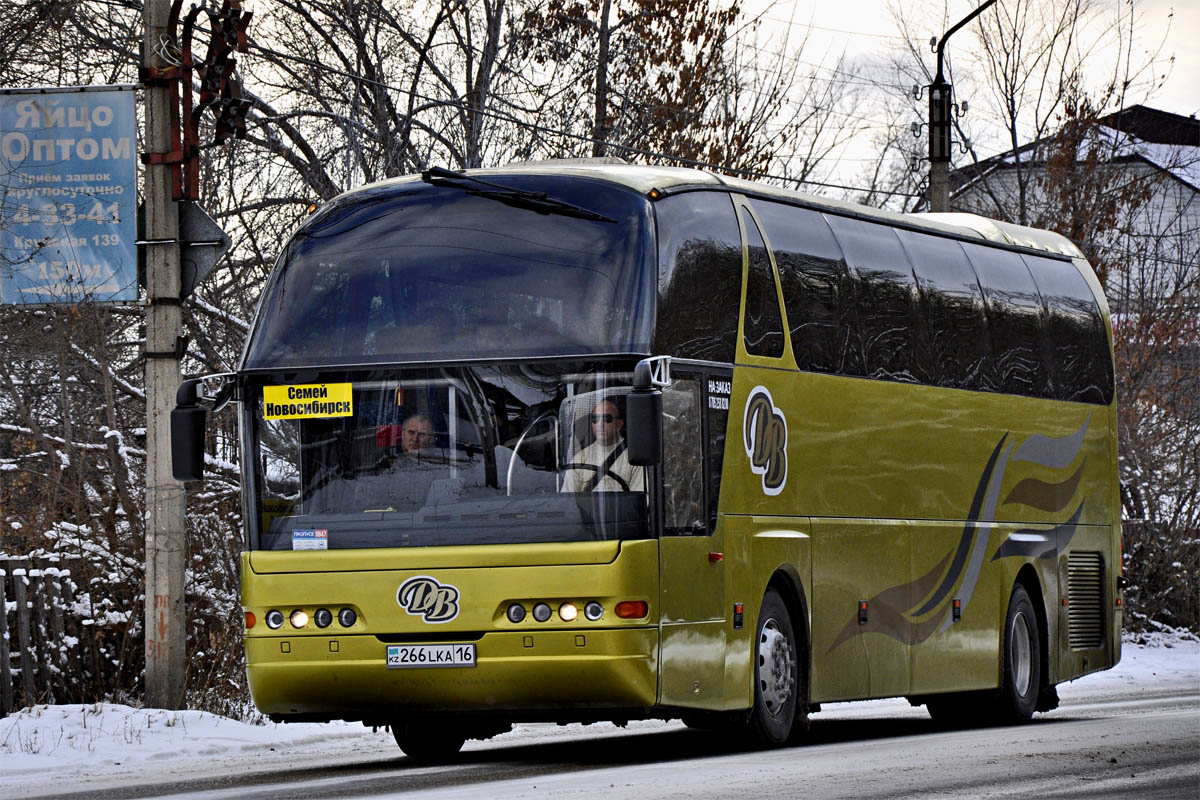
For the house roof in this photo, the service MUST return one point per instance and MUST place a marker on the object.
(1169, 142)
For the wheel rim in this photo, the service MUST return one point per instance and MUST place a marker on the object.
(776, 668)
(1022, 667)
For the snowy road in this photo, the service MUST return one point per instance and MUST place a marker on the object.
(1131, 732)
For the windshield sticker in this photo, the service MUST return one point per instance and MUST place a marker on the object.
(308, 401)
(311, 539)
(764, 435)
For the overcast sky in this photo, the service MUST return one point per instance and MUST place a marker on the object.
(859, 24)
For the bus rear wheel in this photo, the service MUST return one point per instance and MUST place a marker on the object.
(776, 675)
(427, 742)
(1022, 666)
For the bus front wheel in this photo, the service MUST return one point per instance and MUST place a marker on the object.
(776, 675)
(427, 742)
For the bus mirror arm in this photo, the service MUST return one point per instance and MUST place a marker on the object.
(187, 432)
(643, 417)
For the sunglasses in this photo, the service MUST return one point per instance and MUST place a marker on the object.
(606, 418)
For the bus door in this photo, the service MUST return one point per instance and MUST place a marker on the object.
(692, 566)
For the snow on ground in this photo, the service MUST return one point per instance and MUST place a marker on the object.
(107, 739)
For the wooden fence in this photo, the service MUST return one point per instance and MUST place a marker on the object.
(38, 634)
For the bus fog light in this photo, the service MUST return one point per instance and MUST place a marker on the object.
(516, 613)
(541, 612)
(323, 618)
(298, 618)
(593, 611)
(347, 617)
(567, 612)
(274, 619)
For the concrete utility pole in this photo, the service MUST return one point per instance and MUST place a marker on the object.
(940, 98)
(166, 546)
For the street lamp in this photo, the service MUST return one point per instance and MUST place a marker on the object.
(940, 93)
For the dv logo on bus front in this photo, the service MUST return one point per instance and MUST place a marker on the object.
(423, 596)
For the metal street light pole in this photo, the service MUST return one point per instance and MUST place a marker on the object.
(940, 93)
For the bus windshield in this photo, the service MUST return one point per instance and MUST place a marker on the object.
(443, 456)
(413, 272)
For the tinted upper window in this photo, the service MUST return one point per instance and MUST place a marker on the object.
(1077, 345)
(1014, 317)
(885, 297)
(763, 329)
(817, 288)
(699, 276)
(415, 272)
(951, 346)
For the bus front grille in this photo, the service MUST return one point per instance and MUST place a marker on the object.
(1085, 593)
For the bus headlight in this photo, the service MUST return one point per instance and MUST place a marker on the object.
(567, 612)
(274, 619)
(541, 612)
(299, 618)
(516, 613)
(323, 618)
(593, 611)
(347, 617)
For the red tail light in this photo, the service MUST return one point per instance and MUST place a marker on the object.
(632, 609)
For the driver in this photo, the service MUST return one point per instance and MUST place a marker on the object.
(612, 471)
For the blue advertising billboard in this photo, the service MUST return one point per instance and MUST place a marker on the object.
(68, 195)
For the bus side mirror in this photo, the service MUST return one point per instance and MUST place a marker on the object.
(187, 433)
(643, 419)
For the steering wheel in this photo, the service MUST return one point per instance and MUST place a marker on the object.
(603, 473)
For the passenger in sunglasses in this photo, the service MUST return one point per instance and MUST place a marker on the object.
(603, 466)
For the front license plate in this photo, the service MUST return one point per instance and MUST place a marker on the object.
(401, 656)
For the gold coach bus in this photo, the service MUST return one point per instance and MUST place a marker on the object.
(577, 442)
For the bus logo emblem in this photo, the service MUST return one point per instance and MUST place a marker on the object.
(764, 434)
(424, 597)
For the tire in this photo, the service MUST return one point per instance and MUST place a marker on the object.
(1021, 648)
(426, 742)
(776, 674)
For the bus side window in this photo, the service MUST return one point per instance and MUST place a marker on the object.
(763, 330)
(1014, 309)
(952, 310)
(699, 276)
(683, 470)
(1077, 345)
(817, 289)
(719, 386)
(885, 297)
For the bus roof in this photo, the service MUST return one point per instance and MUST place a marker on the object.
(643, 178)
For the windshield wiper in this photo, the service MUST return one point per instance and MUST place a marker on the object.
(518, 198)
